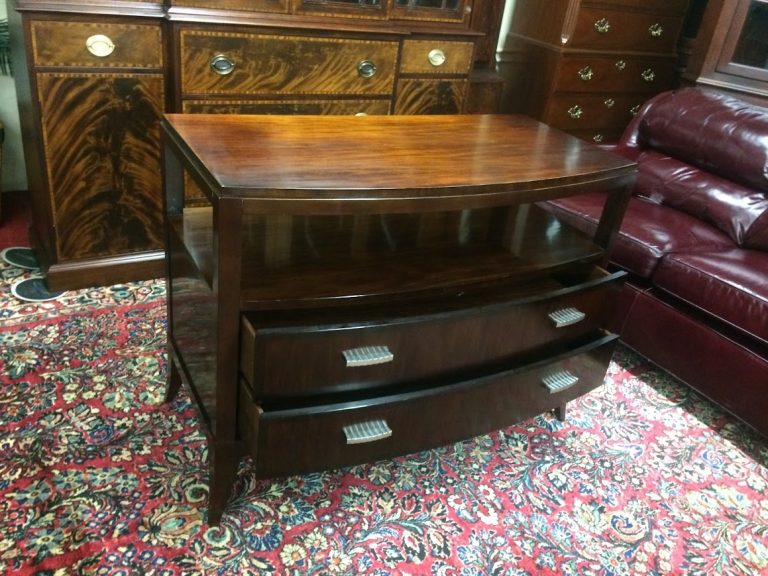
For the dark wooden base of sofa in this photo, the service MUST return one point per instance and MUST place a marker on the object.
(723, 368)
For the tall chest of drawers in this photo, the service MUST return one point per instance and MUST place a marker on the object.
(585, 66)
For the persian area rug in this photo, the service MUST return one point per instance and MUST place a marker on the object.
(98, 476)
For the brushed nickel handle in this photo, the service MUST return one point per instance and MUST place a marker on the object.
(367, 356)
(609, 102)
(648, 75)
(366, 68)
(586, 73)
(597, 138)
(620, 65)
(634, 110)
(222, 64)
(559, 381)
(566, 316)
(602, 26)
(656, 30)
(100, 45)
(363, 432)
(575, 112)
(436, 57)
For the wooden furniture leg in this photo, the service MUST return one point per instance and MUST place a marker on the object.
(560, 412)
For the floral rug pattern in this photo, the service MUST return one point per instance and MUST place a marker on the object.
(98, 476)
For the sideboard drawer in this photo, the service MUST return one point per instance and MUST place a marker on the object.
(92, 44)
(416, 420)
(309, 106)
(253, 64)
(308, 356)
(436, 57)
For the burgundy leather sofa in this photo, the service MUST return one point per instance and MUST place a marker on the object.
(694, 240)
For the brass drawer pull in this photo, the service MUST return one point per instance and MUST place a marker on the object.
(656, 30)
(559, 381)
(609, 102)
(363, 432)
(367, 356)
(597, 138)
(634, 110)
(602, 25)
(100, 45)
(436, 57)
(366, 68)
(575, 112)
(586, 73)
(620, 65)
(648, 75)
(222, 64)
(566, 316)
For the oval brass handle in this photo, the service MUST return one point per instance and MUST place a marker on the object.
(620, 65)
(597, 138)
(634, 110)
(586, 73)
(609, 102)
(559, 381)
(222, 64)
(575, 112)
(100, 45)
(648, 75)
(656, 30)
(602, 26)
(366, 68)
(436, 57)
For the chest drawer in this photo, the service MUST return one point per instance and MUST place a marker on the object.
(96, 44)
(604, 112)
(626, 73)
(602, 28)
(311, 357)
(436, 57)
(253, 64)
(330, 436)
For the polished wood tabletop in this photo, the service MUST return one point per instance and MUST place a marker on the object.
(359, 157)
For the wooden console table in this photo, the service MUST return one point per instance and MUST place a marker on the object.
(363, 287)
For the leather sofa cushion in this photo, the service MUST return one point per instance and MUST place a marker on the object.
(648, 232)
(730, 285)
(717, 133)
(729, 206)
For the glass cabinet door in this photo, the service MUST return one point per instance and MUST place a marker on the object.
(745, 52)
(437, 10)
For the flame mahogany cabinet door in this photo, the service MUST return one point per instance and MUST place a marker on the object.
(91, 99)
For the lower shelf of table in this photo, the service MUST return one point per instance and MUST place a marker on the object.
(311, 438)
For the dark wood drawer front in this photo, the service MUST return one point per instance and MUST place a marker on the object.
(95, 44)
(311, 359)
(605, 29)
(304, 440)
(605, 112)
(611, 74)
(251, 64)
(345, 107)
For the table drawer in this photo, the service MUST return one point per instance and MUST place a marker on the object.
(353, 354)
(96, 44)
(602, 28)
(251, 64)
(313, 438)
(436, 57)
(625, 73)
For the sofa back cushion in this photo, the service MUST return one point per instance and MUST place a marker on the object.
(706, 154)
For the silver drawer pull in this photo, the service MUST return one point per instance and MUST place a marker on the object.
(566, 317)
(559, 381)
(367, 431)
(367, 356)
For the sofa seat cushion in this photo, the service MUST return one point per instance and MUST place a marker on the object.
(730, 285)
(648, 232)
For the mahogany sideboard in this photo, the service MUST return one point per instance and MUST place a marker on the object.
(355, 288)
(94, 76)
